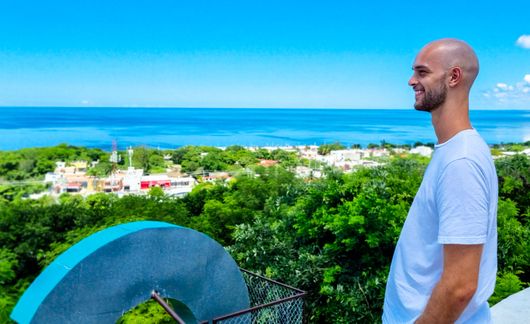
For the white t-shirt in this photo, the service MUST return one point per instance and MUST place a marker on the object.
(455, 204)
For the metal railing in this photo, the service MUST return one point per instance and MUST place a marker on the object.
(270, 302)
(167, 308)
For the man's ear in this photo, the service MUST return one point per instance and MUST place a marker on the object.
(455, 76)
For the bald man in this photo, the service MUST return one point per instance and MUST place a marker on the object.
(445, 262)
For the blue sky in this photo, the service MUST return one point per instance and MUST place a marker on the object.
(329, 54)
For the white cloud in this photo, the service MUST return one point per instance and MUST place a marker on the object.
(502, 86)
(523, 41)
(507, 93)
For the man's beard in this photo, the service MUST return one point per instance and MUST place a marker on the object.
(432, 99)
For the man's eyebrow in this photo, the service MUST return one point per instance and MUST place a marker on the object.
(420, 67)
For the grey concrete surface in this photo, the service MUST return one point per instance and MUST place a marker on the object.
(513, 310)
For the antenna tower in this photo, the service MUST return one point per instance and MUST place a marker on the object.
(114, 156)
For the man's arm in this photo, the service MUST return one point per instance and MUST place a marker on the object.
(457, 285)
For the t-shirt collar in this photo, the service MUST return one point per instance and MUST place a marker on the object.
(457, 135)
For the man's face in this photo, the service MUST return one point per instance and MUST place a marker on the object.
(428, 82)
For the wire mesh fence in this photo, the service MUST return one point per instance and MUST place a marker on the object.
(270, 302)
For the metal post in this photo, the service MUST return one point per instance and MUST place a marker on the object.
(167, 308)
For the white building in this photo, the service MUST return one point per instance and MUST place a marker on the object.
(347, 155)
(181, 186)
(131, 179)
(51, 177)
(305, 172)
(422, 150)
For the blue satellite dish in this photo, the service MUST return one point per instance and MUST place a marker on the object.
(106, 274)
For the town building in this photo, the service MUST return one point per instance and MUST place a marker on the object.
(422, 150)
(72, 178)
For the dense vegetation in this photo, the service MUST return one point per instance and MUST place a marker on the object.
(333, 237)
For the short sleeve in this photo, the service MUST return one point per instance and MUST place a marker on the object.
(462, 202)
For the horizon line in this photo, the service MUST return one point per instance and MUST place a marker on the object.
(280, 108)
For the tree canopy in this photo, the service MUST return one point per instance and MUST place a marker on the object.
(333, 237)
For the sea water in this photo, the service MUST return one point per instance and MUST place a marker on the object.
(22, 127)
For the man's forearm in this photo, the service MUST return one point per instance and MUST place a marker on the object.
(446, 304)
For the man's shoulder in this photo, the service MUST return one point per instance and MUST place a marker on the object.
(468, 145)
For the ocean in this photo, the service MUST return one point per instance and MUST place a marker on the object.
(168, 128)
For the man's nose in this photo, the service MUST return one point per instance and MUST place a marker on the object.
(412, 81)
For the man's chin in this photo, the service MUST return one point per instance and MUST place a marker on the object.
(420, 106)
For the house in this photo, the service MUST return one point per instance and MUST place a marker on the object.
(213, 176)
(181, 186)
(422, 150)
(132, 179)
(112, 184)
(155, 180)
(267, 163)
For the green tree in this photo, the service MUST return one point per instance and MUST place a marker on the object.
(141, 158)
(333, 237)
(506, 285)
(324, 149)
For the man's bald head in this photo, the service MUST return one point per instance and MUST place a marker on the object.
(444, 71)
(453, 53)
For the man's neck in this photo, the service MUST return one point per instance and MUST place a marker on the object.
(448, 120)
